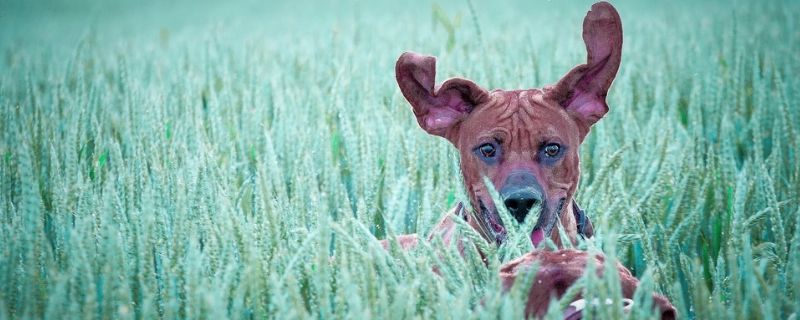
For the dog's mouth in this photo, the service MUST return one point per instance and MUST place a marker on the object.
(495, 229)
(546, 223)
(492, 223)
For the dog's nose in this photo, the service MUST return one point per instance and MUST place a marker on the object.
(520, 203)
(520, 193)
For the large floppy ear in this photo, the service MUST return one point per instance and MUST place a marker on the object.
(436, 109)
(583, 90)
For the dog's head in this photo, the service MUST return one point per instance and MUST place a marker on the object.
(525, 141)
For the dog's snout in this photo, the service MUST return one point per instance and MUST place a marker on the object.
(520, 193)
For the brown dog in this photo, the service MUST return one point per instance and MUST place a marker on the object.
(526, 142)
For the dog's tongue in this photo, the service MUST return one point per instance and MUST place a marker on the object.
(537, 236)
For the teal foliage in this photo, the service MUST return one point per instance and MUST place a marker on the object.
(239, 160)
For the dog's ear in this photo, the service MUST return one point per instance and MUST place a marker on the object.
(583, 90)
(436, 109)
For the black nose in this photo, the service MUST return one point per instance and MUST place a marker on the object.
(520, 193)
(520, 203)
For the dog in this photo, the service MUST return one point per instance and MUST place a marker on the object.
(526, 143)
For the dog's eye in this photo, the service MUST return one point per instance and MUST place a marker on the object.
(552, 150)
(487, 150)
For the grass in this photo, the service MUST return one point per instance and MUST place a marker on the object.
(198, 160)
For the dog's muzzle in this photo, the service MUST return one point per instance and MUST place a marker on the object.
(520, 193)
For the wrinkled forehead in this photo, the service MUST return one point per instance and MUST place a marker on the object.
(521, 118)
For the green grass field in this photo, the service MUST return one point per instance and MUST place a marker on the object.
(200, 160)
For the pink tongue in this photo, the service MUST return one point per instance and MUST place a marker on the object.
(537, 236)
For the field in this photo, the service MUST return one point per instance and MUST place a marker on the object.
(206, 160)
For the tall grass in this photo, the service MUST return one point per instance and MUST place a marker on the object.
(239, 161)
